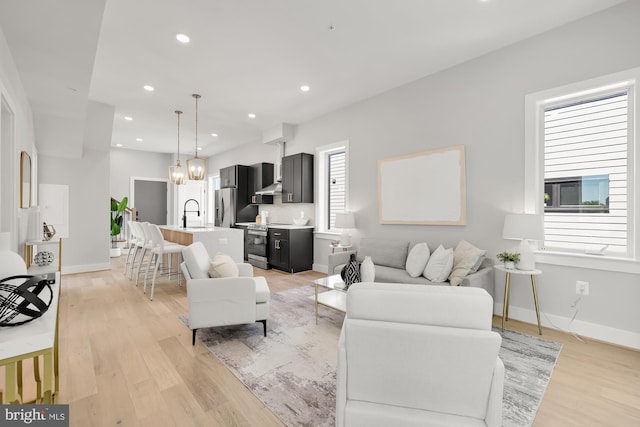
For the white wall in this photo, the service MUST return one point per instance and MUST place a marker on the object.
(87, 248)
(481, 104)
(13, 141)
(129, 163)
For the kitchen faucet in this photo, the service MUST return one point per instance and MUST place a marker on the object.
(184, 216)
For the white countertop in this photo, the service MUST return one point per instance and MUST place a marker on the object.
(282, 226)
(198, 229)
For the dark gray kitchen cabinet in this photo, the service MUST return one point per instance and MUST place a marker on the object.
(297, 178)
(229, 177)
(291, 250)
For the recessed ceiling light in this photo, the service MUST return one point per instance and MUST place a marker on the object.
(118, 145)
(305, 88)
(139, 139)
(127, 118)
(182, 38)
(148, 88)
(251, 115)
(199, 148)
(214, 134)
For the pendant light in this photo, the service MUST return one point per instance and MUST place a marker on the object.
(196, 166)
(177, 173)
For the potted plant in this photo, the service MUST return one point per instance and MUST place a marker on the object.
(117, 217)
(509, 259)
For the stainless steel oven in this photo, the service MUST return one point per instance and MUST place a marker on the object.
(256, 245)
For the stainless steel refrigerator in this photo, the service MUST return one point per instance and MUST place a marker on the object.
(225, 205)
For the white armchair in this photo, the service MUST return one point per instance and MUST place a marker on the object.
(415, 355)
(222, 301)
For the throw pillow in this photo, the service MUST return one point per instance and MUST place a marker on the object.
(439, 265)
(465, 258)
(417, 259)
(223, 265)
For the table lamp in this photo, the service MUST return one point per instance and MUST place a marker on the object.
(345, 221)
(524, 227)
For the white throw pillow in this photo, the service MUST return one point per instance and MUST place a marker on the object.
(465, 257)
(223, 265)
(439, 265)
(417, 259)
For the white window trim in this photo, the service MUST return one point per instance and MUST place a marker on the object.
(321, 190)
(534, 161)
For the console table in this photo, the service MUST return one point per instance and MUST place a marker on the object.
(32, 340)
(507, 284)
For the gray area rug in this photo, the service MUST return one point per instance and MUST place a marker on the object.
(293, 370)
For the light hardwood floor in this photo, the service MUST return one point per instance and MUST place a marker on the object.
(128, 361)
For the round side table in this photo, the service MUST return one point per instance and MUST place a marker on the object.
(507, 283)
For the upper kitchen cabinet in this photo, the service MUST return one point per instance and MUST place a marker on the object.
(261, 177)
(229, 177)
(297, 178)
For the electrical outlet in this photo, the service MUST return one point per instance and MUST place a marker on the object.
(582, 288)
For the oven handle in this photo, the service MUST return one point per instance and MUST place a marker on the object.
(257, 233)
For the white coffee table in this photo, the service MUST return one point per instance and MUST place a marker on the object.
(335, 297)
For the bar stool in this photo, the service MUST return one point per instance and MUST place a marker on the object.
(145, 245)
(133, 246)
(160, 247)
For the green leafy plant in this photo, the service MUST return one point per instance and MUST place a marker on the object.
(117, 217)
(508, 256)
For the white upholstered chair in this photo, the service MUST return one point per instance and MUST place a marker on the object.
(222, 301)
(415, 355)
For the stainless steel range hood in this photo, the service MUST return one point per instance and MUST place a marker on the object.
(274, 188)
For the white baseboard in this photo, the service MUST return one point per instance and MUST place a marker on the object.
(86, 268)
(586, 329)
(322, 268)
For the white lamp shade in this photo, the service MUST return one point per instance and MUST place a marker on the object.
(523, 226)
(345, 220)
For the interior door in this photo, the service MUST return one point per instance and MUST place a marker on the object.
(150, 198)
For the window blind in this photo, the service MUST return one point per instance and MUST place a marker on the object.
(586, 162)
(336, 186)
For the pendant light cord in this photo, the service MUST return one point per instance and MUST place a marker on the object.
(196, 96)
(178, 112)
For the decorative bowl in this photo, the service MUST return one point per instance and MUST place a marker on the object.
(300, 221)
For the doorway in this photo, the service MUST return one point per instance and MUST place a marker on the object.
(195, 190)
(149, 197)
(7, 170)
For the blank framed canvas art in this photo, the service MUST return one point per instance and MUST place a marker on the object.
(423, 188)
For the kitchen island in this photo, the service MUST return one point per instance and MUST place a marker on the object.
(229, 241)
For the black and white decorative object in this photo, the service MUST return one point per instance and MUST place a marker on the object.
(23, 299)
(43, 258)
(351, 272)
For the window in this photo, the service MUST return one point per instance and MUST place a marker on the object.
(336, 196)
(332, 184)
(580, 165)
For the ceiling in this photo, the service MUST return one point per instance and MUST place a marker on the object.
(245, 56)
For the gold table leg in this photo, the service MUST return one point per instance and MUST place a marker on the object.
(316, 303)
(535, 300)
(505, 304)
(48, 378)
(10, 383)
(36, 375)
